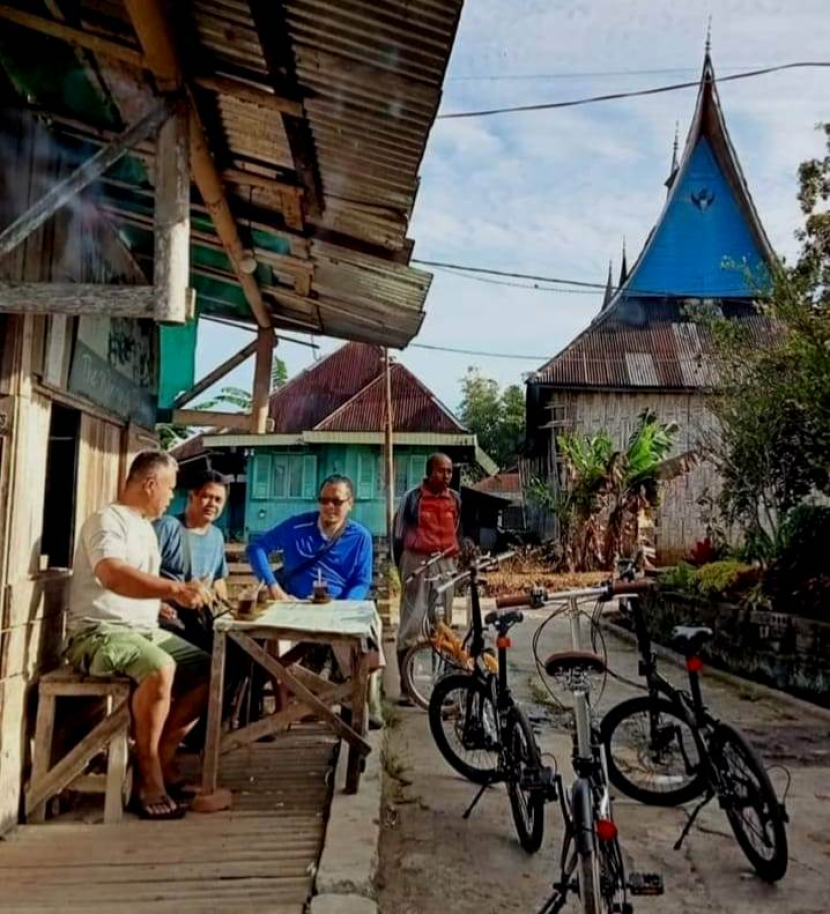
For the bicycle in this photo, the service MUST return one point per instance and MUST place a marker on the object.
(666, 748)
(440, 650)
(481, 731)
(591, 863)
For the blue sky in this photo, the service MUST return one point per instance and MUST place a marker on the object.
(554, 193)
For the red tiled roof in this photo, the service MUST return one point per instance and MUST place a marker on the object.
(645, 343)
(501, 483)
(414, 408)
(318, 391)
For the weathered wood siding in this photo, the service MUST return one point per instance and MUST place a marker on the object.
(679, 523)
(35, 354)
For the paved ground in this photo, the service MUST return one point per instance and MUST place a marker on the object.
(432, 861)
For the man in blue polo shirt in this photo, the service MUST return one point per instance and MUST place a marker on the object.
(322, 545)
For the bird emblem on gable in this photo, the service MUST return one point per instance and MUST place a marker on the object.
(703, 198)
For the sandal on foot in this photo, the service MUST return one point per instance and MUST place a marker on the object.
(162, 809)
(405, 702)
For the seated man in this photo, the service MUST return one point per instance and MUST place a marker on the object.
(322, 545)
(193, 549)
(325, 544)
(113, 628)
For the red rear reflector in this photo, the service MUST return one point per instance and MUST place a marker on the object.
(606, 830)
(694, 664)
(504, 642)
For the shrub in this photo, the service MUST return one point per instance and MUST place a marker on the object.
(797, 580)
(725, 578)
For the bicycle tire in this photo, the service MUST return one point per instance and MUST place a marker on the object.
(587, 864)
(463, 699)
(528, 807)
(623, 732)
(745, 766)
(418, 686)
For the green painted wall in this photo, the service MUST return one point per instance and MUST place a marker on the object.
(282, 482)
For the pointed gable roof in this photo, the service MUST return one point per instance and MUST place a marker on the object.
(414, 408)
(708, 219)
(318, 391)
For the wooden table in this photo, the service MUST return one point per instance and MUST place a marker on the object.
(351, 627)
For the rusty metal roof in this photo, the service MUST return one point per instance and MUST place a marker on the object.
(322, 196)
(508, 485)
(645, 343)
(414, 408)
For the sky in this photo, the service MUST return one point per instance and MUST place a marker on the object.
(554, 193)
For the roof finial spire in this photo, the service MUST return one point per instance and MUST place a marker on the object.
(624, 265)
(709, 35)
(676, 147)
(609, 287)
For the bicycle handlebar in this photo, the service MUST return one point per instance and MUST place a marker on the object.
(515, 599)
(621, 588)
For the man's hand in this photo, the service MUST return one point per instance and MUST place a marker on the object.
(168, 613)
(275, 592)
(192, 595)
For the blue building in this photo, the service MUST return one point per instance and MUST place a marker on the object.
(330, 419)
(644, 349)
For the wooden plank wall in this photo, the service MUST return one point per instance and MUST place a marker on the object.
(32, 603)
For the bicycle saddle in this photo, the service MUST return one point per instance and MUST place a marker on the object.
(690, 638)
(565, 661)
(505, 619)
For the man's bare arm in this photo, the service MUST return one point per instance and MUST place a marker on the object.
(119, 577)
(221, 588)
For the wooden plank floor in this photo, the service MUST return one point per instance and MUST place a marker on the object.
(260, 856)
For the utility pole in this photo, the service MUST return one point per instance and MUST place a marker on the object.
(388, 456)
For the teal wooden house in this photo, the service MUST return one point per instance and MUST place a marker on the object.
(330, 419)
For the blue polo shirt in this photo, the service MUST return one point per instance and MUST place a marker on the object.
(346, 566)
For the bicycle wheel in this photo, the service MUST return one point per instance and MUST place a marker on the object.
(750, 803)
(651, 752)
(528, 806)
(422, 667)
(464, 725)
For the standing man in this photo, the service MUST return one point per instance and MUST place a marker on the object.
(426, 523)
(193, 549)
(324, 543)
(113, 627)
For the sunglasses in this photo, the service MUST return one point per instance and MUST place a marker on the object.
(337, 502)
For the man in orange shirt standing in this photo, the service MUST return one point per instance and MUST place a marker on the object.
(426, 524)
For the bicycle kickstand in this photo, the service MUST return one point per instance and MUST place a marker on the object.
(477, 797)
(691, 820)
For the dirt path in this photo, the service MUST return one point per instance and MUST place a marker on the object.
(433, 862)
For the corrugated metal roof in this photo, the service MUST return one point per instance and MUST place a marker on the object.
(367, 78)
(645, 343)
(508, 484)
(414, 408)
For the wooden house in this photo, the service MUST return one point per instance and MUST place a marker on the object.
(644, 349)
(160, 165)
(331, 419)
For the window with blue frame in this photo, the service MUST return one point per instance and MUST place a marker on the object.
(284, 476)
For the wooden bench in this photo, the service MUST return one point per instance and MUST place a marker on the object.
(111, 734)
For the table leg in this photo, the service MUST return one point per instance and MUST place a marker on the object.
(360, 695)
(213, 735)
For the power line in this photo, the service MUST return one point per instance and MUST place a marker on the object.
(547, 106)
(490, 355)
(462, 270)
(535, 287)
(597, 74)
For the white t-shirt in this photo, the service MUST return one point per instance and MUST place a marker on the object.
(116, 532)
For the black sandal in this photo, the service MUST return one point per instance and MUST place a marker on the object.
(150, 810)
(183, 792)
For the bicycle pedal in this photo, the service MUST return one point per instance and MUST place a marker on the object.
(645, 883)
(540, 779)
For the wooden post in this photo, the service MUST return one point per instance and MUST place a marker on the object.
(262, 379)
(93, 168)
(213, 729)
(211, 378)
(171, 264)
(389, 458)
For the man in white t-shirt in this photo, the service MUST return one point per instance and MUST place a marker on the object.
(113, 628)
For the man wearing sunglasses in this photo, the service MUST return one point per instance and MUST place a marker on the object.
(323, 545)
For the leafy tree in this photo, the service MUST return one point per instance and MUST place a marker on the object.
(279, 374)
(772, 402)
(496, 416)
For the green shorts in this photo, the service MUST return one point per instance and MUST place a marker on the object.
(111, 650)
